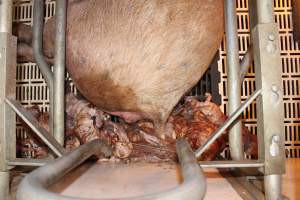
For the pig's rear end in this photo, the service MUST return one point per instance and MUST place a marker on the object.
(141, 56)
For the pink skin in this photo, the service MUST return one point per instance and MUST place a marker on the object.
(129, 117)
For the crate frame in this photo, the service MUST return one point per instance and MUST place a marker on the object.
(265, 40)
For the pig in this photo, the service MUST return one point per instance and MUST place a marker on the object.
(135, 58)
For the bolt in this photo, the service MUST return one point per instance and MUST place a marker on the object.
(271, 37)
(274, 88)
(276, 139)
(274, 147)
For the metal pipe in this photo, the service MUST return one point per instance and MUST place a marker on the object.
(232, 164)
(28, 162)
(246, 63)
(6, 16)
(270, 128)
(227, 123)
(234, 79)
(59, 71)
(4, 185)
(37, 43)
(273, 187)
(7, 60)
(265, 11)
(34, 185)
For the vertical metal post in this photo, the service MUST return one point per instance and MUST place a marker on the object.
(273, 187)
(59, 71)
(6, 16)
(8, 47)
(234, 79)
(266, 48)
(4, 185)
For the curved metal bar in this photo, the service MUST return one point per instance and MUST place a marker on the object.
(34, 185)
(37, 44)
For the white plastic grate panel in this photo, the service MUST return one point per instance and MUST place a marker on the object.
(290, 56)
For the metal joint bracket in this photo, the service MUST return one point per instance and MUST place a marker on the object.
(270, 104)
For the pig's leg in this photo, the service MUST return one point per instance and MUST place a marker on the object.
(23, 32)
(24, 35)
(25, 54)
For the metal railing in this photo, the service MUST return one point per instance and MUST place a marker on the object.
(265, 53)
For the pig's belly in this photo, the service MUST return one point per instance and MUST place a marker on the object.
(141, 56)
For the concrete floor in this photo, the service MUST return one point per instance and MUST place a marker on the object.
(114, 180)
(129, 180)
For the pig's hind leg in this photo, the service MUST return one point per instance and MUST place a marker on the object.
(24, 49)
(23, 32)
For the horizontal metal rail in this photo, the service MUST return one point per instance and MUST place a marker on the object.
(34, 185)
(34, 125)
(232, 164)
(227, 123)
(28, 162)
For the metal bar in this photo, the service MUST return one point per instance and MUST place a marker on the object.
(6, 16)
(232, 164)
(28, 162)
(268, 69)
(246, 63)
(37, 43)
(273, 187)
(34, 185)
(34, 125)
(4, 185)
(8, 48)
(265, 11)
(59, 71)
(254, 191)
(227, 123)
(234, 79)
(237, 186)
(270, 118)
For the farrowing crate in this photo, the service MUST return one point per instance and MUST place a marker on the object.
(31, 88)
